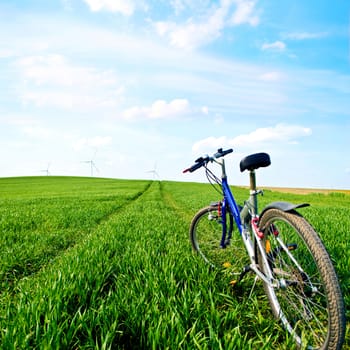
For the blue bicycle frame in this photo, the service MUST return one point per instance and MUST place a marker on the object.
(233, 209)
(229, 201)
(246, 219)
(243, 218)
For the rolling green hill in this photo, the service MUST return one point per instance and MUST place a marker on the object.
(91, 263)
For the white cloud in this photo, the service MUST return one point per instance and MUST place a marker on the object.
(305, 35)
(209, 144)
(271, 76)
(69, 99)
(50, 80)
(67, 5)
(279, 134)
(205, 110)
(159, 109)
(29, 126)
(38, 132)
(5, 53)
(56, 70)
(46, 98)
(193, 34)
(93, 142)
(30, 129)
(245, 13)
(219, 119)
(125, 7)
(177, 5)
(276, 46)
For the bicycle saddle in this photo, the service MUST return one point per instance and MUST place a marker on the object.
(255, 161)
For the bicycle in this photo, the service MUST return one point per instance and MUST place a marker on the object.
(284, 252)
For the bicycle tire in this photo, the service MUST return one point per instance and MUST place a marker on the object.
(309, 301)
(205, 235)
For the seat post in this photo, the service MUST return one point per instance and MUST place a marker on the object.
(253, 193)
(252, 180)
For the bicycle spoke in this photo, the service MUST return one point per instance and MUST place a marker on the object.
(205, 236)
(302, 300)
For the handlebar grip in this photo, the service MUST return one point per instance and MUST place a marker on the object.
(221, 153)
(203, 160)
(194, 167)
(230, 150)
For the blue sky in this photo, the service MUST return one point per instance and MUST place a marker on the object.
(137, 85)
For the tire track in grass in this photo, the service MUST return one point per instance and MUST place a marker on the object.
(171, 203)
(109, 290)
(129, 201)
(131, 284)
(13, 270)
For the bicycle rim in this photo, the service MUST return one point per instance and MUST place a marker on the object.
(205, 237)
(308, 301)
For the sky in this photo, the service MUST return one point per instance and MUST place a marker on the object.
(138, 86)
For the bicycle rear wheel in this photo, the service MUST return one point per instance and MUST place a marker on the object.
(205, 236)
(308, 300)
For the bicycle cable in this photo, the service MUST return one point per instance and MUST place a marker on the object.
(213, 179)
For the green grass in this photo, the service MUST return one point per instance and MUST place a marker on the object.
(106, 264)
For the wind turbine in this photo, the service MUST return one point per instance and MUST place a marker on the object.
(46, 170)
(92, 166)
(154, 172)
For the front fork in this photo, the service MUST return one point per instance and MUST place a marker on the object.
(227, 227)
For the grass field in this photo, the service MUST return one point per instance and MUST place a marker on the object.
(88, 263)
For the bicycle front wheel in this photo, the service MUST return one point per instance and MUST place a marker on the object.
(307, 299)
(205, 236)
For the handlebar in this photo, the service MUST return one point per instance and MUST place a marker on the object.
(206, 159)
